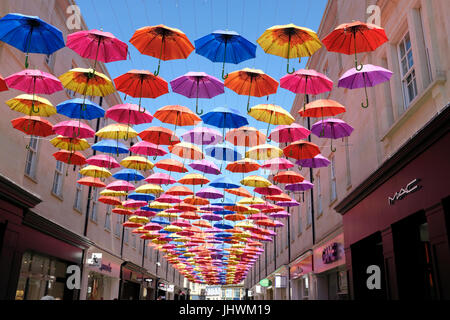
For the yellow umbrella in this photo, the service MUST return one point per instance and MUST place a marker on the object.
(70, 144)
(289, 41)
(271, 114)
(116, 131)
(112, 193)
(245, 224)
(139, 219)
(187, 150)
(96, 172)
(255, 181)
(172, 228)
(87, 82)
(24, 103)
(149, 188)
(252, 200)
(264, 152)
(137, 163)
(160, 205)
(167, 214)
(251, 211)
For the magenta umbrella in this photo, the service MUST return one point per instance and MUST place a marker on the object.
(73, 129)
(211, 217)
(120, 185)
(181, 223)
(306, 82)
(210, 193)
(318, 161)
(197, 85)
(331, 128)
(160, 178)
(147, 149)
(262, 206)
(167, 198)
(369, 75)
(97, 45)
(289, 133)
(130, 203)
(258, 216)
(145, 213)
(277, 164)
(129, 114)
(104, 161)
(279, 214)
(268, 191)
(205, 166)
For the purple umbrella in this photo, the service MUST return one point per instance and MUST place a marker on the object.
(211, 217)
(202, 135)
(211, 208)
(291, 203)
(331, 128)
(205, 166)
(197, 85)
(369, 75)
(210, 193)
(318, 161)
(279, 214)
(300, 186)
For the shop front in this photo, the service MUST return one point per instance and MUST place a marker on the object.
(277, 287)
(396, 223)
(329, 268)
(135, 282)
(301, 274)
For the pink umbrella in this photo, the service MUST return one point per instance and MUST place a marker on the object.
(128, 113)
(261, 206)
(147, 149)
(145, 213)
(104, 161)
(97, 45)
(268, 191)
(120, 185)
(167, 198)
(134, 203)
(289, 133)
(277, 164)
(258, 216)
(73, 129)
(202, 136)
(279, 214)
(160, 178)
(152, 226)
(173, 210)
(181, 223)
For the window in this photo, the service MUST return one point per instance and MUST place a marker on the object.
(125, 235)
(117, 227)
(319, 196)
(309, 209)
(299, 217)
(50, 60)
(133, 241)
(58, 179)
(333, 194)
(94, 205)
(150, 250)
(78, 195)
(347, 160)
(408, 73)
(30, 164)
(108, 218)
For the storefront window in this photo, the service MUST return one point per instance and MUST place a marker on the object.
(95, 286)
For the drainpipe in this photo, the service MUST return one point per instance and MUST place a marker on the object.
(313, 229)
(289, 254)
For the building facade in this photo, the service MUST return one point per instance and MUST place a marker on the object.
(350, 213)
(48, 222)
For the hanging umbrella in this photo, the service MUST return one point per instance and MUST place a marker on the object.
(369, 75)
(159, 136)
(141, 84)
(87, 82)
(271, 114)
(240, 192)
(147, 149)
(141, 197)
(322, 108)
(179, 191)
(70, 144)
(301, 150)
(289, 41)
(222, 117)
(197, 85)
(149, 188)
(110, 146)
(177, 115)
(121, 185)
(194, 179)
(268, 191)
(137, 163)
(251, 82)
(205, 166)
(210, 193)
(94, 171)
(167, 198)
(289, 133)
(33, 125)
(245, 136)
(223, 183)
(171, 165)
(70, 157)
(299, 186)
(24, 103)
(305, 82)
(129, 114)
(160, 178)
(202, 135)
(245, 165)
(163, 42)
(112, 193)
(318, 161)
(116, 131)
(225, 46)
(332, 128)
(276, 164)
(255, 181)
(223, 153)
(80, 109)
(264, 152)
(91, 182)
(279, 197)
(73, 129)
(196, 201)
(97, 45)
(30, 34)
(114, 201)
(288, 177)
(186, 150)
(128, 175)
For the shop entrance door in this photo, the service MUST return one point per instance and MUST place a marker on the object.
(368, 252)
(413, 258)
(130, 290)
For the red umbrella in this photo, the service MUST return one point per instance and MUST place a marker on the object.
(115, 201)
(301, 150)
(73, 129)
(288, 177)
(159, 136)
(33, 126)
(91, 182)
(147, 149)
(3, 86)
(171, 165)
(75, 158)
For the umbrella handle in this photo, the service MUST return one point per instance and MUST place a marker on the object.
(300, 168)
(332, 148)
(223, 200)
(365, 105)
(160, 55)
(224, 76)
(154, 157)
(196, 107)
(249, 92)
(157, 71)
(358, 67)
(289, 50)
(365, 91)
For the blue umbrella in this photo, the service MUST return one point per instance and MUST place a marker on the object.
(223, 153)
(223, 235)
(224, 183)
(110, 146)
(160, 220)
(30, 34)
(151, 209)
(226, 46)
(223, 117)
(223, 225)
(128, 175)
(141, 197)
(80, 109)
(225, 212)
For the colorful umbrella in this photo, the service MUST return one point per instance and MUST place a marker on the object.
(103, 160)
(179, 191)
(87, 82)
(24, 103)
(332, 128)
(186, 150)
(244, 165)
(223, 117)
(129, 114)
(73, 129)
(70, 157)
(33, 126)
(194, 179)
(223, 183)
(227, 46)
(147, 149)
(255, 181)
(271, 114)
(301, 150)
(202, 135)
(116, 131)
(245, 136)
(288, 177)
(264, 152)
(240, 192)
(223, 153)
(177, 115)
(289, 41)
(289, 133)
(97, 45)
(141, 84)
(209, 193)
(163, 42)
(322, 108)
(205, 166)
(171, 165)
(137, 163)
(159, 136)
(80, 109)
(355, 37)
(318, 161)
(30, 34)
(369, 75)
(251, 82)
(120, 185)
(149, 188)
(94, 171)
(70, 144)
(114, 201)
(91, 182)
(110, 146)
(197, 85)
(128, 175)
(160, 178)
(299, 186)
(276, 164)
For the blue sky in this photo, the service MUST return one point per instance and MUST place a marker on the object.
(197, 18)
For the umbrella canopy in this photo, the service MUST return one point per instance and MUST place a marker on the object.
(289, 41)
(289, 133)
(33, 125)
(301, 150)
(128, 175)
(288, 177)
(80, 109)
(322, 108)
(171, 165)
(209, 193)
(162, 42)
(245, 136)
(276, 164)
(205, 166)
(194, 179)
(30, 34)
(34, 81)
(96, 172)
(129, 114)
(264, 152)
(91, 182)
(73, 129)
(110, 146)
(141, 196)
(177, 115)
(251, 82)
(114, 201)
(179, 191)
(271, 114)
(186, 150)
(196, 200)
(25, 104)
(87, 82)
(70, 157)
(137, 163)
(149, 188)
(306, 81)
(255, 181)
(368, 76)
(332, 128)
(245, 165)
(223, 153)
(159, 136)
(70, 144)
(223, 117)
(318, 161)
(225, 46)
(270, 190)
(116, 131)
(299, 186)
(147, 149)
(202, 136)
(240, 192)
(223, 183)
(160, 178)
(120, 185)
(197, 85)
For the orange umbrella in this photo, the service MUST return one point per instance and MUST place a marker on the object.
(288, 177)
(171, 165)
(190, 215)
(244, 165)
(187, 150)
(163, 42)
(110, 200)
(237, 208)
(301, 150)
(194, 179)
(177, 115)
(196, 200)
(322, 108)
(91, 182)
(179, 191)
(33, 125)
(279, 197)
(240, 192)
(235, 217)
(201, 224)
(122, 211)
(251, 82)
(185, 207)
(69, 157)
(159, 136)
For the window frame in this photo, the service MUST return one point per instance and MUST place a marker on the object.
(33, 153)
(410, 72)
(333, 182)
(107, 225)
(58, 177)
(94, 210)
(78, 195)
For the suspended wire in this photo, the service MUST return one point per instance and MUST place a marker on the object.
(242, 18)
(179, 22)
